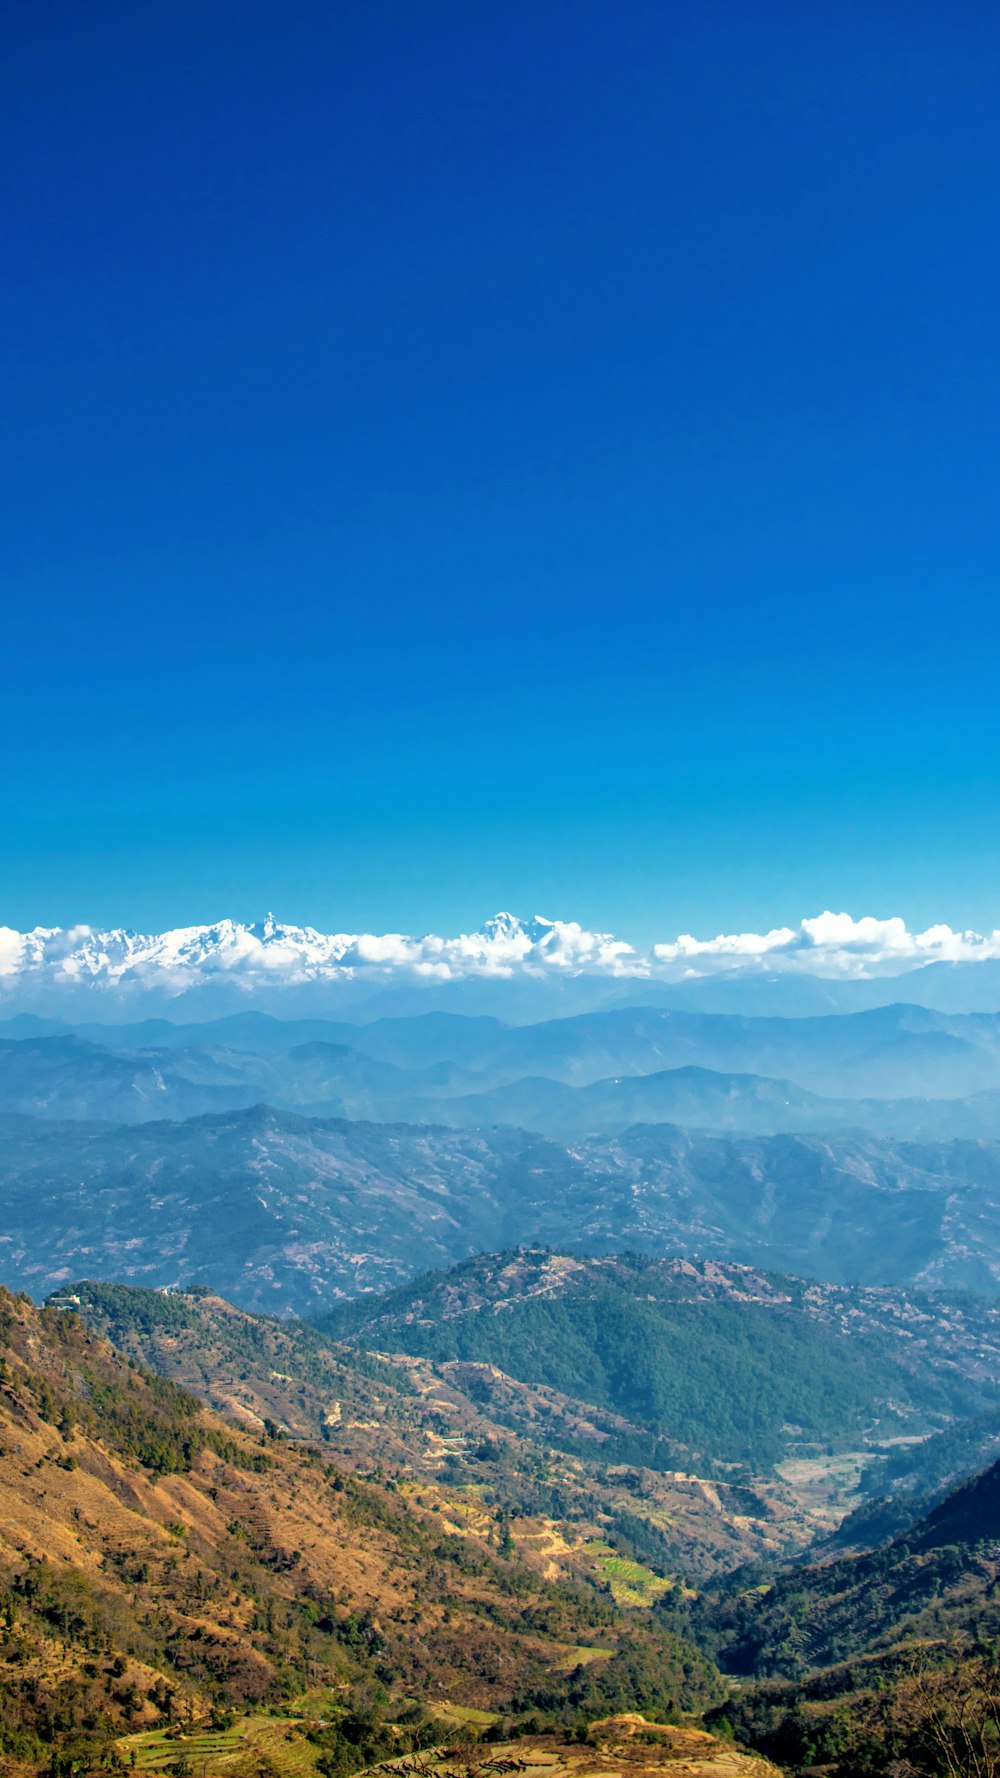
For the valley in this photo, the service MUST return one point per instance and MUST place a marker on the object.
(884, 1657)
(567, 1473)
(517, 1431)
(402, 1512)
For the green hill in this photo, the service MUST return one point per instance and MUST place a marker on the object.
(878, 1661)
(729, 1362)
(476, 1437)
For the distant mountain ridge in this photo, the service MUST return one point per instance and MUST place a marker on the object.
(286, 1213)
(520, 967)
(897, 1071)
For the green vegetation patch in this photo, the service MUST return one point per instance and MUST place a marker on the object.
(631, 1582)
(730, 1381)
(274, 1742)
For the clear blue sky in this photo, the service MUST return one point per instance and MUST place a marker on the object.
(466, 455)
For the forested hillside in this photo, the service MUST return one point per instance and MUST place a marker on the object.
(732, 1363)
(158, 1566)
(877, 1659)
(565, 1473)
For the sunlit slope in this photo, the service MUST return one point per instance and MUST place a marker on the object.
(206, 1565)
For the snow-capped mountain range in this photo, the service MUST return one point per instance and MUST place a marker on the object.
(269, 953)
(269, 956)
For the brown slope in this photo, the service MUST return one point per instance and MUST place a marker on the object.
(625, 1745)
(464, 1426)
(154, 1559)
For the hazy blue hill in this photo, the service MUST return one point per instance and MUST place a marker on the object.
(699, 1097)
(424, 1039)
(24, 1026)
(462, 1072)
(280, 1210)
(258, 1032)
(847, 1207)
(68, 1076)
(325, 1009)
(337, 1081)
(941, 987)
(321, 1070)
(888, 1052)
(274, 1209)
(703, 1099)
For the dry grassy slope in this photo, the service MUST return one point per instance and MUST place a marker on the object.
(254, 1368)
(253, 1574)
(616, 1746)
(419, 1419)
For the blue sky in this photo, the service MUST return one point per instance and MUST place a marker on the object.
(472, 456)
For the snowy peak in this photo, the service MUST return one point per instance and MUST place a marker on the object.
(245, 959)
(268, 952)
(501, 928)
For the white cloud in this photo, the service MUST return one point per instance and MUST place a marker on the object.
(268, 953)
(11, 951)
(829, 945)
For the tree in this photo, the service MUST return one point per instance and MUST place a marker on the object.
(944, 1715)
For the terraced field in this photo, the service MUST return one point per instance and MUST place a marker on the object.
(631, 1582)
(272, 1746)
(268, 1743)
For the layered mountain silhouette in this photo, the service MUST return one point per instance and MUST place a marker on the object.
(898, 1071)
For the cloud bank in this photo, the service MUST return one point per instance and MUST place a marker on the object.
(832, 945)
(270, 954)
